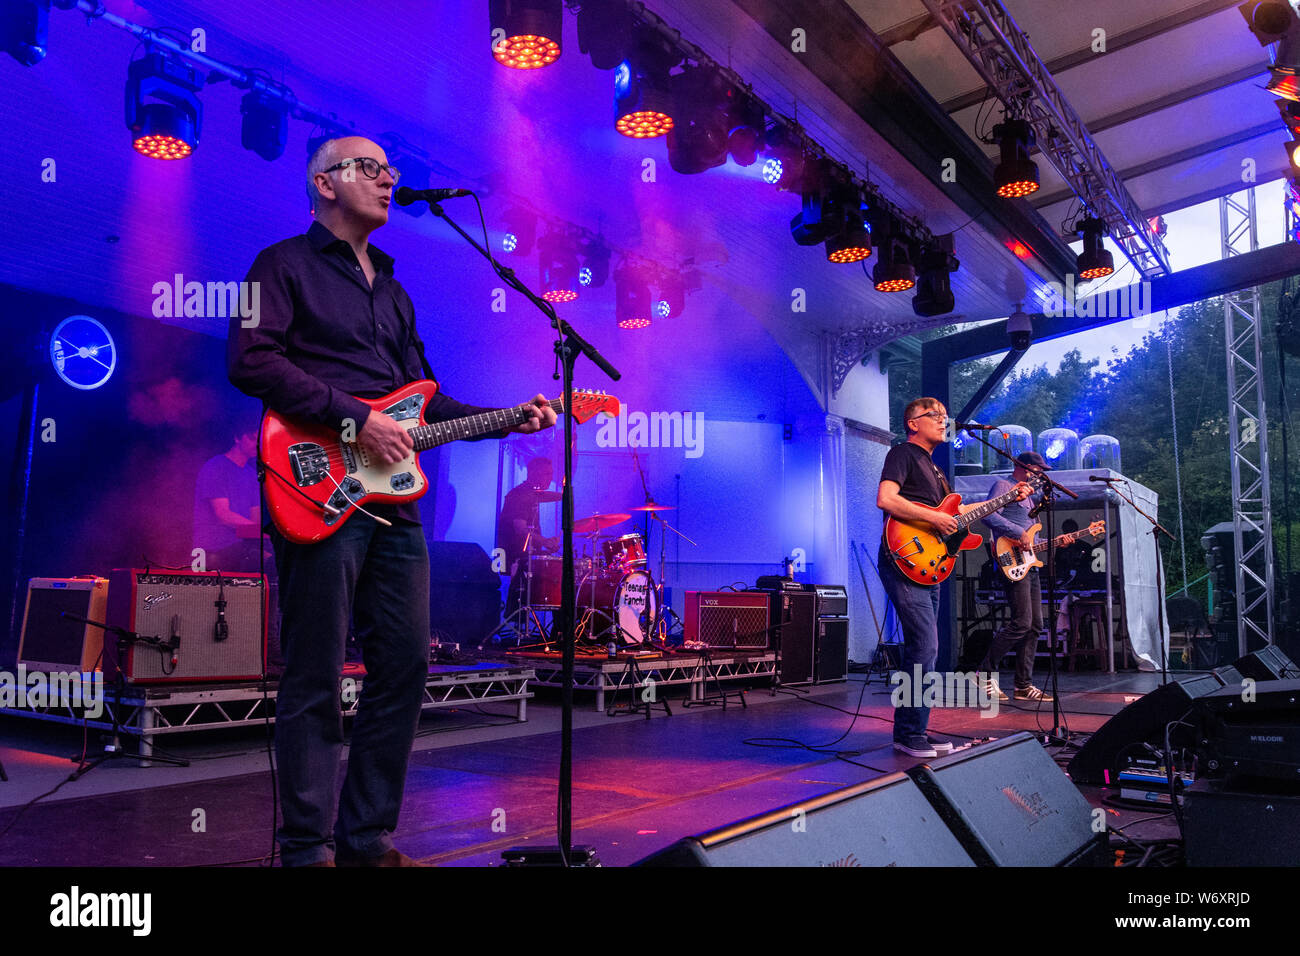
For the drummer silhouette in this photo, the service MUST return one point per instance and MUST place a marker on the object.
(519, 524)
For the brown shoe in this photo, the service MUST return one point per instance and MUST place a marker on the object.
(392, 857)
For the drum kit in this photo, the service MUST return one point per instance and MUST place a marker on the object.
(619, 603)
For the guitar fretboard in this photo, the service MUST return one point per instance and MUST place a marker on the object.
(985, 508)
(439, 433)
(1063, 540)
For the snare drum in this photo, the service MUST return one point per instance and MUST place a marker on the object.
(625, 553)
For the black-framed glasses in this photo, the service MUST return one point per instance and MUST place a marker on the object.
(937, 416)
(370, 167)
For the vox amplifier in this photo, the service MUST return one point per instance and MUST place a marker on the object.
(731, 619)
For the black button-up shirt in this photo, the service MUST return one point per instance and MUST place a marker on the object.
(323, 335)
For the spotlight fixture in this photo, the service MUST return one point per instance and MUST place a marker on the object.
(604, 32)
(25, 30)
(849, 236)
(1016, 175)
(933, 286)
(748, 134)
(163, 111)
(557, 255)
(631, 298)
(526, 34)
(702, 101)
(643, 98)
(893, 271)
(595, 263)
(265, 126)
(1272, 21)
(786, 159)
(521, 230)
(1095, 260)
(817, 219)
(672, 296)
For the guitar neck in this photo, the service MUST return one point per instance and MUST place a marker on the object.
(985, 508)
(471, 426)
(1061, 540)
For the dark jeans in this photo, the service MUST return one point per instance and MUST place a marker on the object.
(1021, 631)
(917, 607)
(380, 577)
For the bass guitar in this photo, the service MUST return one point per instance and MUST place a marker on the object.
(926, 557)
(1015, 560)
(315, 479)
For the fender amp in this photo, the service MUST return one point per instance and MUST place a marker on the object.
(211, 625)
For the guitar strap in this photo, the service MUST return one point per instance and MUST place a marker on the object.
(414, 338)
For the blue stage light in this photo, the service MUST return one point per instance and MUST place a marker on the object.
(584, 275)
(772, 170)
(509, 241)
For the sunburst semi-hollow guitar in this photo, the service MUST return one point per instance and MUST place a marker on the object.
(926, 557)
(315, 480)
(1015, 559)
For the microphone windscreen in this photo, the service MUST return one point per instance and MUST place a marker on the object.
(404, 196)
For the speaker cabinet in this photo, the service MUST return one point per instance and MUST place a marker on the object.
(1009, 804)
(183, 605)
(832, 661)
(727, 619)
(51, 642)
(1227, 826)
(464, 593)
(794, 627)
(884, 822)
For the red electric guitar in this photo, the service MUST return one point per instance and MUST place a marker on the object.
(925, 557)
(315, 480)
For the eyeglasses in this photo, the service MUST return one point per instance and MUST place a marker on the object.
(937, 416)
(370, 167)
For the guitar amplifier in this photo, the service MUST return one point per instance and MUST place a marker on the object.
(733, 619)
(51, 642)
(183, 605)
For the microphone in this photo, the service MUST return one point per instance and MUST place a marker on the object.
(1101, 478)
(175, 642)
(975, 427)
(405, 195)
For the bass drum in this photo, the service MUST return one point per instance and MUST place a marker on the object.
(628, 606)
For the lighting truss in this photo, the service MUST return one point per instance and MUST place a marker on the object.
(999, 50)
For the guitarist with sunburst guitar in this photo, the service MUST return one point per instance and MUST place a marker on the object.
(925, 528)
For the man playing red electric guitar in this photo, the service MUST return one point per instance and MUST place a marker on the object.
(911, 488)
(335, 324)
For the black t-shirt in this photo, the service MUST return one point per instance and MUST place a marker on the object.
(919, 478)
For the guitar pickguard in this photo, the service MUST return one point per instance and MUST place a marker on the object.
(408, 408)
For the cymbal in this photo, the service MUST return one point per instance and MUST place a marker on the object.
(652, 506)
(597, 522)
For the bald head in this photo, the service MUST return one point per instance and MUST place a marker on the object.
(349, 192)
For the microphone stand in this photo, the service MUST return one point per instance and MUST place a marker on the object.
(568, 345)
(113, 750)
(1047, 504)
(1156, 530)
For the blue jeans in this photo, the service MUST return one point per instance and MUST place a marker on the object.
(917, 607)
(378, 579)
(1021, 631)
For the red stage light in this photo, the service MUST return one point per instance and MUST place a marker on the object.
(849, 254)
(633, 323)
(526, 52)
(1019, 249)
(1097, 272)
(560, 295)
(162, 147)
(895, 285)
(644, 124)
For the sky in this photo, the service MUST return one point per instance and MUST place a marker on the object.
(1193, 240)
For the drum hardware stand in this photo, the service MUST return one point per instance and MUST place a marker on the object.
(634, 681)
(568, 345)
(1046, 505)
(525, 611)
(113, 750)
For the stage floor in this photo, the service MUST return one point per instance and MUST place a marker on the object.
(479, 782)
